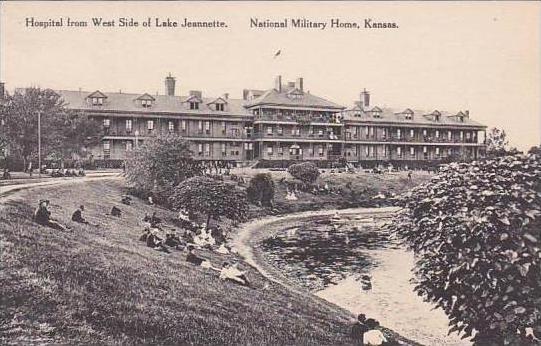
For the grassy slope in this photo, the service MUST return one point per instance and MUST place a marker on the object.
(101, 285)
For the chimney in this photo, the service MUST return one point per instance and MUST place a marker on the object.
(365, 98)
(278, 83)
(170, 85)
(226, 96)
(467, 113)
(300, 84)
(2, 91)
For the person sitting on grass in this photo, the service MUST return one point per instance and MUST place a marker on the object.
(42, 216)
(156, 242)
(116, 211)
(172, 240)
(77, 215)
(193, 258)
(125, 200)
(358, 329)
(373, 336)
(232, 273)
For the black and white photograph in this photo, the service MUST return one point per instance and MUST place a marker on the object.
(270, 173)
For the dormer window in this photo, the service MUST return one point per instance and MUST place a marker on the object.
(436, 116)
(97, 98)
(408, 114)
(220, 107)
(146, 100)
(194, 105)
(106, 122)
(97, 101)
(376, 112)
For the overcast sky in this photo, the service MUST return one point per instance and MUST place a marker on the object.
(480, 56)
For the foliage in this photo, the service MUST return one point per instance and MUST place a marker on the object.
(306, 172)
(261, 189)
(211, 198)
(476, 233)
(63, 132)
(160, 164)
(535, 150)
(497, 143)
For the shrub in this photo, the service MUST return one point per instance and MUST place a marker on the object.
(475, 230)
(261, 189)
(306, 172)
(210, 198)
(160, 164)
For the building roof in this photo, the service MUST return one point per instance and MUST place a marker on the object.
(124, 102)
(274, 98)
(420, 117)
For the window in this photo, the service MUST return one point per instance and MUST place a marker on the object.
(321, 150)
(399, 151)
(468, 135)
(207, 149)
(398, 133)
(183, 125)
(377, 114)
(385, 150)
(129, 145)
(150, 125)
(367, 150)
(235, 132)
(437, 133)
(295, 131)
(106, 122)
(220, 107)
(279, 130)
(280, 150)
(207, 127)
(320, 132)
(412, 133)
(371, 129)
(461, 135)
(269, 130)
(224, 150)
(311, 151)
(269, 150)
(128, 125)
(425, 150)
(449, 135)
(424, 132)
(97, 101)
(224, 128)
(409, 116)
(200, 126)
(194, 105)
(437, 151)
(412, 151)
(106, 145)
(449, 151)
(311, 131)
(200, 149)
(171, 126)
(146, 103)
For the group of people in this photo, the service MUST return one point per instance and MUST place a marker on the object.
(365, 332)
(58, 173)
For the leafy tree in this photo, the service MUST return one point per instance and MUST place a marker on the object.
(535, 150)
(497, 143)
(261, 189)
(160, 164)
(211, 198)
(476, 233)
(306, 172)
(62, 131)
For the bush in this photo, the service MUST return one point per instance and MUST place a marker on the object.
(211, 198)
(160, 164)
(475, 230)
(306, 172)
(261, 189)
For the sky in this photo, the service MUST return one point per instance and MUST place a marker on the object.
(479, 56)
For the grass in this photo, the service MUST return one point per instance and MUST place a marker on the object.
(101, 285)
(348, 190)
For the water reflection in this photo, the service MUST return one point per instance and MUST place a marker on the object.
(324, 251)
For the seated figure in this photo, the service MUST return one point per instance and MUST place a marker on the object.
(77, 215)
(232, 273)
(42, 216)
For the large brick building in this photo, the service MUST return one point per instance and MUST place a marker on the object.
(278, 126)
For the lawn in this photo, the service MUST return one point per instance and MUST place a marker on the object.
(102, 285)
(348, 190)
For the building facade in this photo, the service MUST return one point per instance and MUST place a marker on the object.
(279, 126)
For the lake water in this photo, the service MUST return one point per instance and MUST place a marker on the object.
(329, 255)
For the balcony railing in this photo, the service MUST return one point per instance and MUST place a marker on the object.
(304, 120)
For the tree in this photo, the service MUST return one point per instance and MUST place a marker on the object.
(306, 172)
(476, 233)
(211, 198)
(62, 131)
(160, 164)
(497, 143)
(261, 189)
(535, 150)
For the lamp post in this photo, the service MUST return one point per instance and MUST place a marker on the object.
(39, 144)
